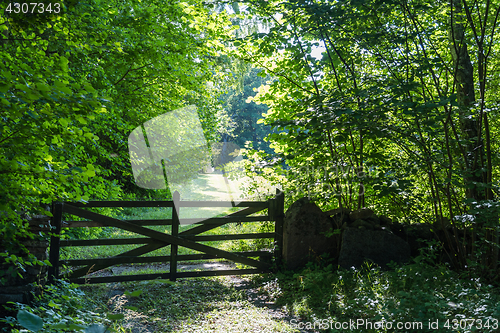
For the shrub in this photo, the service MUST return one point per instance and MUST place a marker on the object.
(59, 308)
(414, 294)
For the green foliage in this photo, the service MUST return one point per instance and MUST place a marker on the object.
(371, 106)
(415, 293)
(74, 85)
(245, 115)
(29, 321)
(60, 308)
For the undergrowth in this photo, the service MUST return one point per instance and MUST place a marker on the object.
(418, 297)
(60, 308)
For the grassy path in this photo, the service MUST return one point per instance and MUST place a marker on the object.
(221, 304)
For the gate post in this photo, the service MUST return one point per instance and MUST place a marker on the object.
(176, 198)
(277, 208)
(55, 241)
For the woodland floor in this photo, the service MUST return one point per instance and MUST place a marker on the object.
(219, 304)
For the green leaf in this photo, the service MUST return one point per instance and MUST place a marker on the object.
(29, 321)
(54, 305)
(95, 328)
(64, 122)
(133, 308)
(76, 327)
(90, 172)
(32, 115)
(42, 87)
(134, 293)
(116, 316)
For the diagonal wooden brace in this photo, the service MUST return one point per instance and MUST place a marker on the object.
(132, 253)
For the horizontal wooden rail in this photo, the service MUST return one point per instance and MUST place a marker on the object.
(145, 240)
(169, 203)
(228, 204)
(212, 220)
(106, 242)
(91, 204)
(152, 259)
(207, 238)
(165, 276)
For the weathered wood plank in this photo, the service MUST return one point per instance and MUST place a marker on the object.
(168, 203)
(102, 242)
(146, 260)
(92, 204)
(207, 238)
(91, 224)
(175, 233)
(145, 240)
(213, 220)
(164, 276)
(229, 204)
(216, 220)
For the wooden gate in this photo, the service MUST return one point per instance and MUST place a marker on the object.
(154, 240)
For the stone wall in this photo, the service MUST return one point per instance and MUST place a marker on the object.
(363, 236)
(305, 236)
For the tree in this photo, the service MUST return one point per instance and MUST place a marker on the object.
(387, 116)
(245, 115)
(74, 84)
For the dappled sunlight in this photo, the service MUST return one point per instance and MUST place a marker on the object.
(209, 187)
(221, 304)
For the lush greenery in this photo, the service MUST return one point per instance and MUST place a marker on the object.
(387, 104)
(416, 294)
(398, 112)
(76, 83)
(60, 308)
(192, 305)
(246, 129)
(317, 298)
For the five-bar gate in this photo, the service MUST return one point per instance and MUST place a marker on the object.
(153, 240)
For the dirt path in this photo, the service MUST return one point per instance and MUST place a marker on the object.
(223, 304)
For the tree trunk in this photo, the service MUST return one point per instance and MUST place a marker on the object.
(464, 82)
(470, 124)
